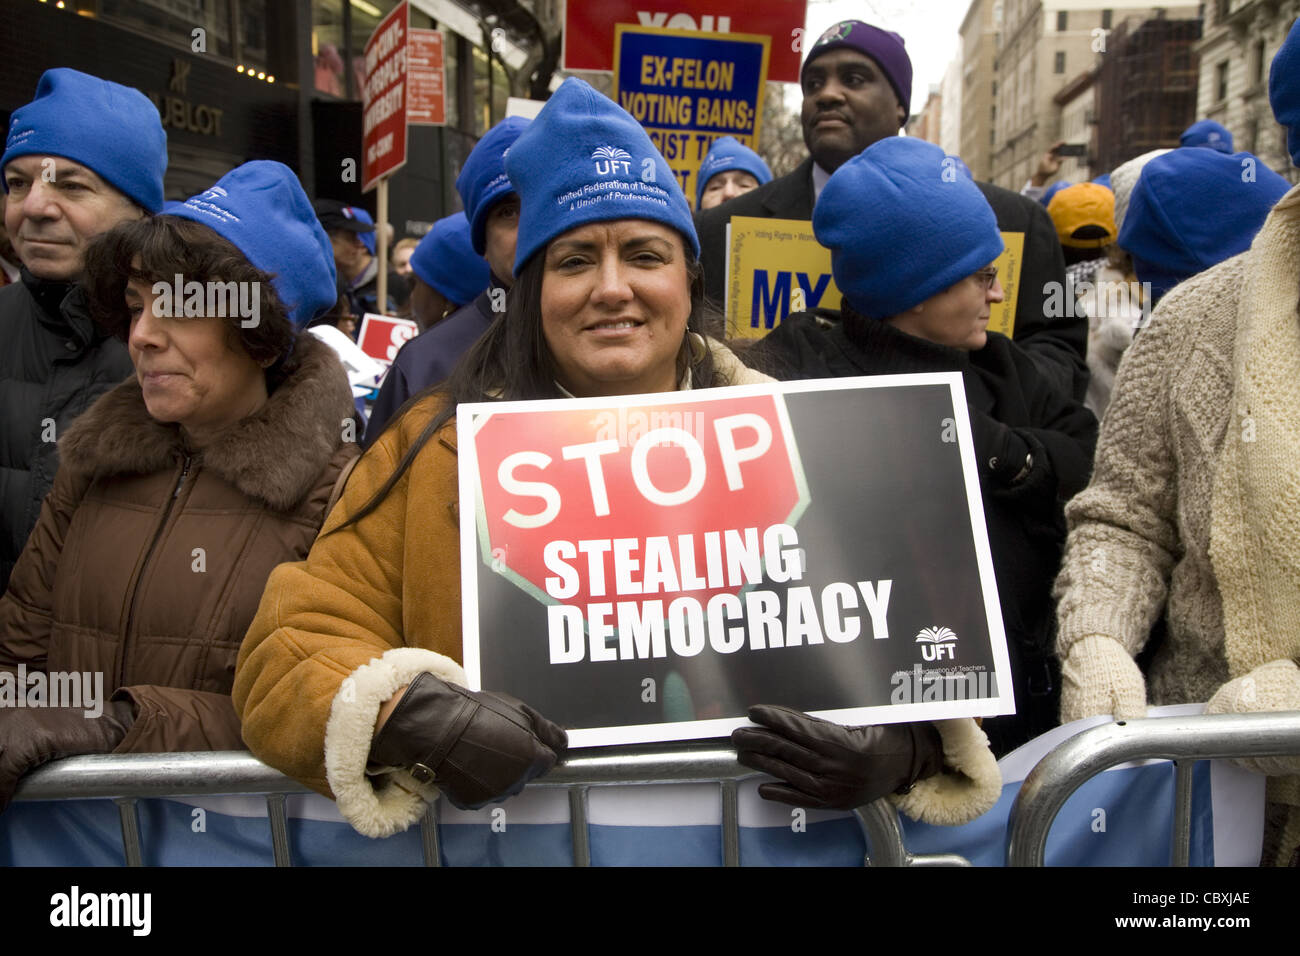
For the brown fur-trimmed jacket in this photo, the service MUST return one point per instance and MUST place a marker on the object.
(148, 560)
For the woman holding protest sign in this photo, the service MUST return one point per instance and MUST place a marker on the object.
(919, 279)
(350, 679)
(182, 487)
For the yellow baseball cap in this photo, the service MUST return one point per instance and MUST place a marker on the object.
(1084, 216)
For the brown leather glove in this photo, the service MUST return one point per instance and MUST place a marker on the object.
(827, 766)
(30, 737)
(477, 746)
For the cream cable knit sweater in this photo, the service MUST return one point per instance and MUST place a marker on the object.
(1194, 504)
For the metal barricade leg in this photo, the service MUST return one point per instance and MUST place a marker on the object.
(730, 824)
(581, 836)
(430, 835)
(279, 829)
(883, 834)
(130, 830)
(1182, 835)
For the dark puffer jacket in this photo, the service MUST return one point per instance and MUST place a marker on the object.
(54, 363)
(1014, 412)
(149, 560)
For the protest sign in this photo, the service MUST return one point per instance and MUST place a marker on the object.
(687, 89)
(426, 79)
(645, 568)
(382, 335)
(383, 115)
(589, 27)
(776, 267)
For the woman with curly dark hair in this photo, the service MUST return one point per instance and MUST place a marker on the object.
(181, 488)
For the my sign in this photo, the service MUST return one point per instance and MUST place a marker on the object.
(383, 116)
(687, 89)
(589, 27)
(646, 568)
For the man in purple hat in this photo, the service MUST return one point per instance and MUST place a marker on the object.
(857, 84)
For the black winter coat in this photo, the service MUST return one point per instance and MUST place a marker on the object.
(1014, 413)
(1058, 346)
(54, 363)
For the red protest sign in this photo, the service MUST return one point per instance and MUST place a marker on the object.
(426, 86)
(589, 27)
(647, 567)
(681, 463)
(382, 335)
(383, 138)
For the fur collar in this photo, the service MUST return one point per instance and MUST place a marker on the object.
(275, 455)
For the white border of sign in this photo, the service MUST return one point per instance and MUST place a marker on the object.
(470, 418)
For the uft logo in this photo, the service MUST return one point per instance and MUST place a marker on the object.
(215, 192)
(937, 643)
(610, 161)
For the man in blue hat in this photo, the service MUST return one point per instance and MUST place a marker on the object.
(348, 228)
(857, 84)
(492, 208)
(83, 156)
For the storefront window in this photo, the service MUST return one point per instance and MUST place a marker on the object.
(175, 21)
(327, 45)
(488, 110)
(252, 32)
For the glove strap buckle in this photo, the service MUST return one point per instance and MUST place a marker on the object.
(422, 773)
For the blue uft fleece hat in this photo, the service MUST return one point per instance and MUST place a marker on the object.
(1284, 90)
(110, 129)
(261, 209)
(901, 227)
(585, 159)
(727, 152)
(1193, 208)
(367, 238)
(1050, 193)
(482, 181)
(446, 260)
(1208, 134)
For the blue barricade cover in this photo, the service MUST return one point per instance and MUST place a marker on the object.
(1122, 817)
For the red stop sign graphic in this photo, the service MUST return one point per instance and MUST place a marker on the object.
(640, 499)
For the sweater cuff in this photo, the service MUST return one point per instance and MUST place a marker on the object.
(1098, 618)
(400, 800)
(969, 786)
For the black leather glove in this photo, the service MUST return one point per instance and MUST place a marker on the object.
(827, 766)
(477, 746)
(999, 451)
(32, 736)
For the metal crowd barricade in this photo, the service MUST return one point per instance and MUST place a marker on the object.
(129, 778)
(1184, 740)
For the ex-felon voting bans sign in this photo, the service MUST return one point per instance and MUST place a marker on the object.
(589, 27)
(646, 568)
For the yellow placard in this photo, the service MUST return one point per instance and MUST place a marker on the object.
(776, 267)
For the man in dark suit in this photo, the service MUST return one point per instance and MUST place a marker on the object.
(857, 82)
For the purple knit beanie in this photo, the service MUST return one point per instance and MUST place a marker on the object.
(883, 46)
